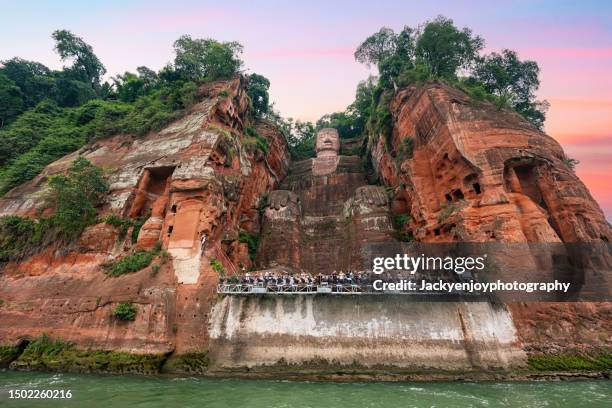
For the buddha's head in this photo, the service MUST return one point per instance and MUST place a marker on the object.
(328, 142)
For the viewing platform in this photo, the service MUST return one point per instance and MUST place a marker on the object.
(329, 289)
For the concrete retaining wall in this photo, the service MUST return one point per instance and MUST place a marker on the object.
(361, 331)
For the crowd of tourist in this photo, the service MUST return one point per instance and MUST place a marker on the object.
(267, 279)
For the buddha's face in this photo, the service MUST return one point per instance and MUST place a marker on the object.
(328, 142)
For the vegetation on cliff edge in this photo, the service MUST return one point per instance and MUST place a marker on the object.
(435, 51)
(46, 114)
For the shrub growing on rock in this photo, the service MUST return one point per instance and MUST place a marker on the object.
(75, 196)
(131, 263)
(125, 311)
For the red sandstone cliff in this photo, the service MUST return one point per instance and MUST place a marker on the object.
(199, 181)
(470, 172)
(503, 178)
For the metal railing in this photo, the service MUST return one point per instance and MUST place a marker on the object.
(312, 289)
(273, 288)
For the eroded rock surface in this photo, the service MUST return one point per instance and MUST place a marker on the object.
(470, 172)
(465, 171)
(198, 182)
(452, 169)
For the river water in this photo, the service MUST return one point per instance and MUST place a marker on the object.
(92, 391)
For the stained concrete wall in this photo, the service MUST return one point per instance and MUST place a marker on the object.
(248, 332)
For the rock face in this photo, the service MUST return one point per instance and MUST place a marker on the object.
(325, 220)
(470, 172)
(324, 214)
(455, 170)
(464, 171)
(198, 182)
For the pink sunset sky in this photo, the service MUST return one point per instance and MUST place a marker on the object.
(306, 50)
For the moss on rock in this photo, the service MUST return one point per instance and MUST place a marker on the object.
(55, 355)
(192, 363)
(8, 354)
(571, 362)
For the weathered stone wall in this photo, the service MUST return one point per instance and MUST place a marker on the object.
(361, 332)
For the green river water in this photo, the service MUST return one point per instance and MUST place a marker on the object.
(92, 391)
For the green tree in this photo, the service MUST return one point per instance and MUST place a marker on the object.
(377, 47)
(35, 80)
(85, 64)
(513, 82)
(206, 58)
(149, 76)
(391, 53)
(11, 100)
(75, 196)
(361, 108)
(301, 139)
(71, 92)
(258, 92)
(129, 87)
(444, 48)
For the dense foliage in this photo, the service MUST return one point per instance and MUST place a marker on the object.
(206, 58)
(258, 93)
(72, 197)
(75, 195)
(513, 82)
(440, 51)
(45, 114)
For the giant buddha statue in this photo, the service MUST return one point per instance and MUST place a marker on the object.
(327, 147)
(328, 143)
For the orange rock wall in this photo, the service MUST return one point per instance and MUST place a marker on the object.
(198, 183)
(480, 174)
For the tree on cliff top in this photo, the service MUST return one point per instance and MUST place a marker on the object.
(513, 81)
(45, 114)
(86, 64)
(206, 58)
(438, 50)
(445, 49)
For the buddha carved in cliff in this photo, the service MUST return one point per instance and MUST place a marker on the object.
(328, 143)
